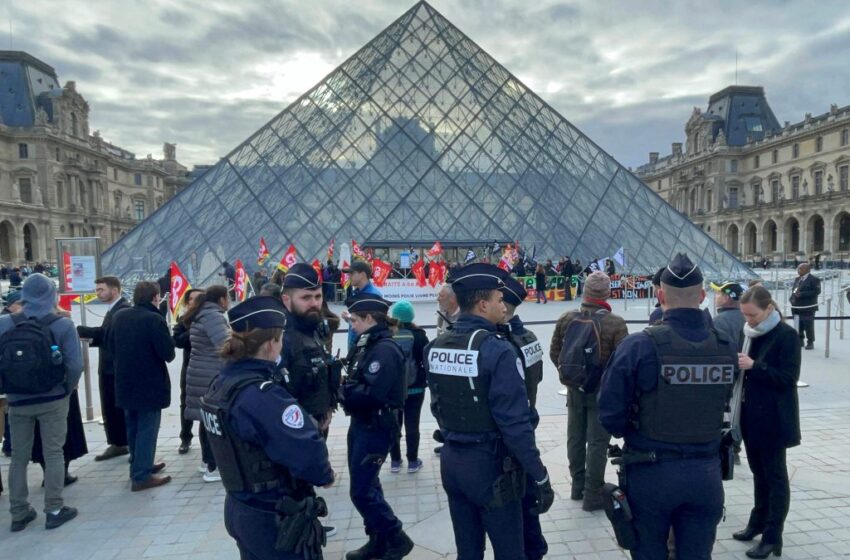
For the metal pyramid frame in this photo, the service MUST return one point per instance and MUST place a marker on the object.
(419, 136)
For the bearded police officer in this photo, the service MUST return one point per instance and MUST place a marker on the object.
(309, 373)
(665, 391)
(530, 351)
(269, 452)
(373, 395)
(479, 399)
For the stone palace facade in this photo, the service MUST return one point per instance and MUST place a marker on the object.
(58, 179)
(761, 189)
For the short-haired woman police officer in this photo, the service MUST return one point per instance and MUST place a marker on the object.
(373, 394)
(269, 452)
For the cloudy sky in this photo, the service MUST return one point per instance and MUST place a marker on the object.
(207, 73)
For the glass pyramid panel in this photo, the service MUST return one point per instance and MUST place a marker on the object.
(419, 136)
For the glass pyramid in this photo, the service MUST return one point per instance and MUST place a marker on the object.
(419, 136)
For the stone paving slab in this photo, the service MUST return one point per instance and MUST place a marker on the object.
(184, 519)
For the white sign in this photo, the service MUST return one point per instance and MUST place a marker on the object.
(532, 353)
(404, 259)
(83, 273)
(459, 363)
(395, 289)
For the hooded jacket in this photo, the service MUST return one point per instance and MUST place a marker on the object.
(39, 297)
(207, 334)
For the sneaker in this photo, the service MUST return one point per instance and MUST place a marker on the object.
(212, 476)
(21, 524)
(203, 468)
(58, 519)
(329, 531)
(414, 466)
(395, 466)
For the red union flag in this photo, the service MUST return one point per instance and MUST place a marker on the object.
(356, 251)
(240, 283)
(66, 271)
(380, 271)
(317, 266)
(289, 259)
(436, 273)
(179, 286)
(436, 250)
(418, 269)
(344, 277)
(331, 249)
(263, 253)
(504, 264)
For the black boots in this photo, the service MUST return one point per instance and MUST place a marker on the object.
(763, 550)
(748, 534)
(374, 548)
(399, 545)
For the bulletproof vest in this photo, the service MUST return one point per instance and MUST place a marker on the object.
(306, 371)
(459, 385)
(244, 467)
(531, 353)
(694, 386)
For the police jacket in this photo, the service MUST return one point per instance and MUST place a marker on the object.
(304, 362)
(376, 373)
(633, 374)
(530, 352)
(264, 417)
(500, 372)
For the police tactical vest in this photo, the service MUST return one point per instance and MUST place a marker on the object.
(362, 359)
(694, 386)
(244, 467)
(531, 353)
(459, 386)
(306, 374)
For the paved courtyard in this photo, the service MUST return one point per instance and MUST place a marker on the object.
(184, 519)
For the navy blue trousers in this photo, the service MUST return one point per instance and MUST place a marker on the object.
(468, 472)
(142, 431)
(254, 531)
(535, 543)
(686, 495)
(367, 451)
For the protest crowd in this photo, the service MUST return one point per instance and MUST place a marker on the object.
(261, 381)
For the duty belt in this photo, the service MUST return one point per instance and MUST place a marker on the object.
(631, 457)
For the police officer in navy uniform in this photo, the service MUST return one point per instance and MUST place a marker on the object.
(530, 351)
(373, 394)
(479, 399)
(665, 391)
(269, 451)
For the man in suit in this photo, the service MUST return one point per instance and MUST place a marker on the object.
(108, 290)
(804, 303)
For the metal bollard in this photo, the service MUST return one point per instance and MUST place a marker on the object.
(828, 327)
(841, 314)
(87, 379)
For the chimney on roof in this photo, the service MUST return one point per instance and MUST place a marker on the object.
(677, 149)
(653, 158)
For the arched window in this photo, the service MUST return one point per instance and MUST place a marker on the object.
(60, 194)
(74, 124)
(25, 186)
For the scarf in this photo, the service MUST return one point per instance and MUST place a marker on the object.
(750, 333)
(764, 327)
(600, 302)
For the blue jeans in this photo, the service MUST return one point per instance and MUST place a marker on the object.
(142, 431)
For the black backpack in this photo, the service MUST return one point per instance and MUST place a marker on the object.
(26, 361)
(404, 339)
(579, 363)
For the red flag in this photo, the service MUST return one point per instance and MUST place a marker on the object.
(289, 259)
(65, 301)
(344, 277)
(66, 271)
(356, 251)
(240, 283)
(380, 271)
(436, 273)
(369, 255)
(263, 253)
(179, 286)
(418, 269)
(331, 248)
(317, 266)
(436, 250)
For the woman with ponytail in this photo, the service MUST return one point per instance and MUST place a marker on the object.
(770, 416)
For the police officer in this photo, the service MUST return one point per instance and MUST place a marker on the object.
(479, 399)
(309, 373)
(268, 450)
(665, 391)
(373, 395)
(530, 351)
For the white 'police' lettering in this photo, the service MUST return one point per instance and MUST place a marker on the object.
(532, 353)
(461, 363)
(698, 374)
(211, 423)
